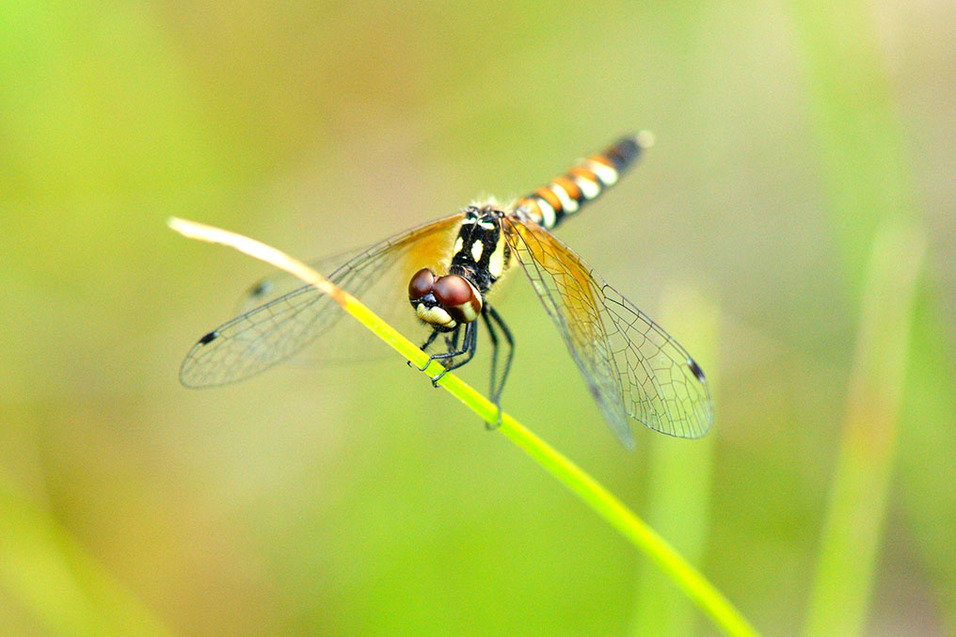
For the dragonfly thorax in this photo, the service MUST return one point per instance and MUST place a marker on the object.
(481, 253)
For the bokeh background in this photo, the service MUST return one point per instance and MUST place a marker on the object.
(794, 226)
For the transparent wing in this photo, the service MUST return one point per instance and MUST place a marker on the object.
(288, 321)
(631, 365)
(278, 284)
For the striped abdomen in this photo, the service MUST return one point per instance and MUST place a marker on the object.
(565, 195)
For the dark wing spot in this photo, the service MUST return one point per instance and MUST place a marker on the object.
(260, 288)
(696, 370)
(209, 338)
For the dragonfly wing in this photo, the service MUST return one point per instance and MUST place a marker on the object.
(278, 284)
(631, 365)
(288, 321)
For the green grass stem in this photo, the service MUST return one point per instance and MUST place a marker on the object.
(859, 493)
(861, 144)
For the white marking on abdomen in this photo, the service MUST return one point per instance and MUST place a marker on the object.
(605, 173)
(589, 189)
(569, 205)
(548, 218)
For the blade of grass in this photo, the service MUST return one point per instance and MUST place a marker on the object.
(859, 492)
(678, 493)
(599, 499)
(864, 165)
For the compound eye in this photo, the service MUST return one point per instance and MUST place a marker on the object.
(453, 290)
(458, 297)
(421, 284)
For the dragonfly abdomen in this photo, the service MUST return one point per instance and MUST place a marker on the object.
(583, 183)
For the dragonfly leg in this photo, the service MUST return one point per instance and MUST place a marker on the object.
(492, 318)
(467, 350)
(425, 346)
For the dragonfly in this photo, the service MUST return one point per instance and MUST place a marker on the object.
(445, 269)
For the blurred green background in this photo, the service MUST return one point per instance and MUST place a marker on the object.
(804, 154)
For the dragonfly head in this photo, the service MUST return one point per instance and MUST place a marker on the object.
(444, 301)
